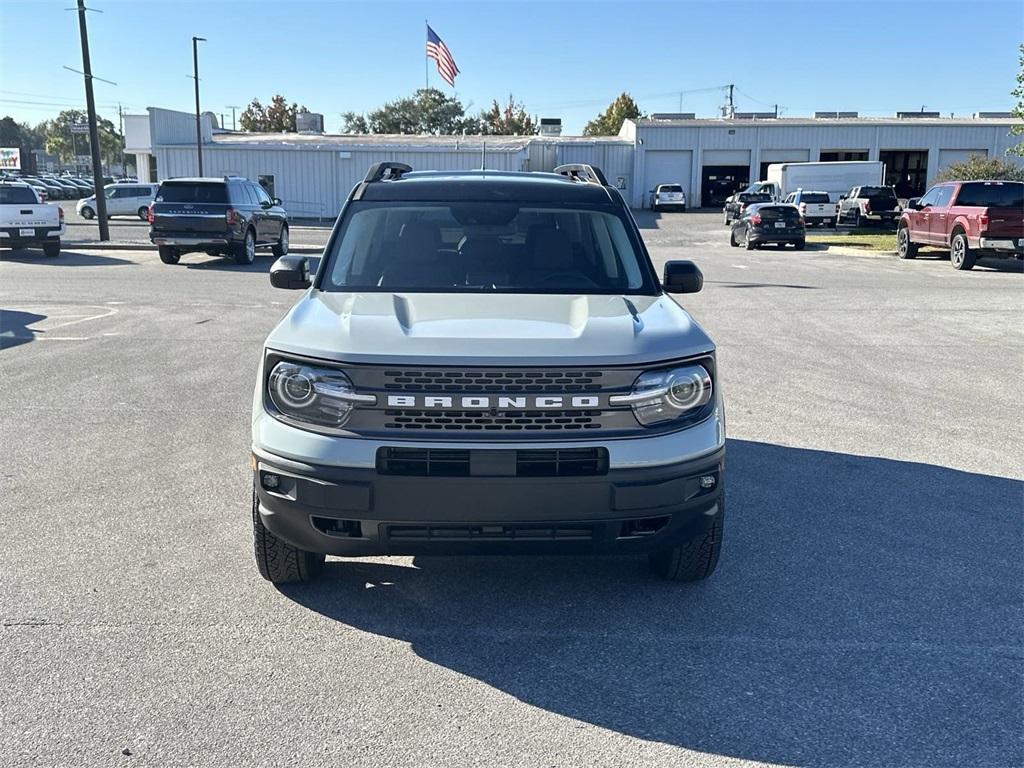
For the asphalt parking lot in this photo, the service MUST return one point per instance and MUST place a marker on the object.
(867, 609)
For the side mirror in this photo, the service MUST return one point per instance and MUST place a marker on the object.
(290, 273)
(277, 201)
(914, 204)
(842, 197)
(266, 204)
(682, 277)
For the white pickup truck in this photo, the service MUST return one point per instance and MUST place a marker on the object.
(26, 221)
(815, 207)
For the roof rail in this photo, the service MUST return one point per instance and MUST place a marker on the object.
(589, 174)
(389, 171)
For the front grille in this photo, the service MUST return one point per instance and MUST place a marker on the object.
(513, 532)
(504, 421)
(449, 462)
(510, 382)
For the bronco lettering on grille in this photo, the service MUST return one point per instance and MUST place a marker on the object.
(487, 402)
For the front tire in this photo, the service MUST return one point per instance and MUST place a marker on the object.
(88, 213)
(695, 559)
(905, 248)
(960, 254)
(169, 255)
(51, 248)
(278, 561)
(245, 251)
(143, 213)
(281, 247)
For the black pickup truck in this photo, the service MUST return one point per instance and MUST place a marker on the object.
(227, 216)
(736, 205)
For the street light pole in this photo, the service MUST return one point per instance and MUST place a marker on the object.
(94, 134)
(199, 128)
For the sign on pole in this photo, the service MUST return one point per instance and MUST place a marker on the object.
(10, 158)
(79, 127)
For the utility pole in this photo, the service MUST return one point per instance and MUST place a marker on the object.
(732, 104)
(199, 125)
(94, 134)
(232, 108)
(120, 128)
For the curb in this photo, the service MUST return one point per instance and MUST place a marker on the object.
(840, 250)
(95, 245)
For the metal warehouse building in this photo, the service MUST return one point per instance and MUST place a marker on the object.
(313, 172)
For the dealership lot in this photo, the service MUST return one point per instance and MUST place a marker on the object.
(866, 610)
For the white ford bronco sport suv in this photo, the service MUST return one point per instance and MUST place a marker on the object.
(487, 363)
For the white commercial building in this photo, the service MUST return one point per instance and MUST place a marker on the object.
(313, 172)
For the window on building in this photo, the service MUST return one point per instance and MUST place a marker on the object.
(842, 155)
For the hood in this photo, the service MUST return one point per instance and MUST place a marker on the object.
(480, 329)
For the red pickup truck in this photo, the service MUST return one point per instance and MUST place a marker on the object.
(971, 218)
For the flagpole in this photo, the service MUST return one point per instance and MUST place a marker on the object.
(426, 60)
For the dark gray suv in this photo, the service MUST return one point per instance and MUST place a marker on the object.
(228, 216)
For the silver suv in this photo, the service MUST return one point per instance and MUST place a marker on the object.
(487, 363)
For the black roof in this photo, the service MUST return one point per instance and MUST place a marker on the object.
(486, 186)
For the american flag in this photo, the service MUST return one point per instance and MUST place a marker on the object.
(438, 51)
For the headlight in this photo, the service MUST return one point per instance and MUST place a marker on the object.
(660, 396)
(321, 396)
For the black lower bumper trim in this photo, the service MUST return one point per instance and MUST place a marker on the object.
(359, 512)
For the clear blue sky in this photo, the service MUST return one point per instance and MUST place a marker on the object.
(563, 60)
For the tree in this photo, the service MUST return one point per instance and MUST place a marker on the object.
(427, 111)
(510, 120)
(609, 122)
(981, 167)
(353, 123)
(11, 133)
(1018, 109)
(61, 142)
(276, 117)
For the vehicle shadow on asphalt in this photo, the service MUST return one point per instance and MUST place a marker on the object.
(866, 611)
(733, 284)
(65, 259)
(14, 327)
(263, 263)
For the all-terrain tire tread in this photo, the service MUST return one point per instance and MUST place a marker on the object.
(278, 561)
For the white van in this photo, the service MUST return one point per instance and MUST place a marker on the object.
(122, 200)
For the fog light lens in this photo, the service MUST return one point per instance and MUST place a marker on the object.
(271, 482)
(707, 481)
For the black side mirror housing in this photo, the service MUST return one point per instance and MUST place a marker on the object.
(277, 201)
(682, 277)
(914, 204)
(290, 273)
(266, 204)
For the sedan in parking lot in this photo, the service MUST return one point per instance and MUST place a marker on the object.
(765, 223)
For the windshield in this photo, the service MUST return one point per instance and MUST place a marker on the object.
(192, 192)
(486, 247)
(17, 196)
(877, 192)
(988, 194)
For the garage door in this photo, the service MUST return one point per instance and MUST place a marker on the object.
(785, 155)
(665, 166)
(948, 157)
(727, 157)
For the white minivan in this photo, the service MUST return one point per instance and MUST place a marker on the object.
(122, 200)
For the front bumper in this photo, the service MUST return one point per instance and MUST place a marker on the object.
(360, 512)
